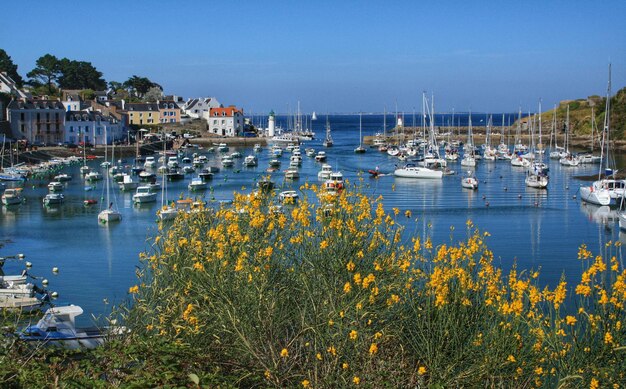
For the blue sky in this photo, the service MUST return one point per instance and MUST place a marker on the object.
(338, 56)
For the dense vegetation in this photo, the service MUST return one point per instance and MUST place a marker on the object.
(52, 74)
(333, 292)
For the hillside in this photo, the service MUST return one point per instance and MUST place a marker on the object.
(580, 115)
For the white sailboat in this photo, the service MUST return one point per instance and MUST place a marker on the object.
(536, 176)
(360, 149)
(328, 141)
(167, 211)
(469, 159)
(589, 158)
(569, 159)
(111, 213)
(605, 191)
(556, 152)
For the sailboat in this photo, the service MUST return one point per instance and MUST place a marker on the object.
(9, 174)
(590, 158)
(84, 169)
(608, 190)
(489, 153)
(111, 213)
(468, 156)
(569, 159)
(536, 177)
(557, 152)
(328, 142)
(166, 212)
(360, 149)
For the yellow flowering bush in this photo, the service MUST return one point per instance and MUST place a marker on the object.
(332, 291)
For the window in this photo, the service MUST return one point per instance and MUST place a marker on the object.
(131, 114)
(214, 121)
(98, 131)
(223, 121)
(150, 115)
(71, 128)
(140, 114)
(172, 120)
(21, 115)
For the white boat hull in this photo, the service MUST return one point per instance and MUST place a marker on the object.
(418, 172)
(595, 196)
(109, 215)
(537, 181)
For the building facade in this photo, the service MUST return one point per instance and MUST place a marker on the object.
(196, 108)
(37, 121)
(92, 127)
(143, 113)
(225, 121)
(169, 112)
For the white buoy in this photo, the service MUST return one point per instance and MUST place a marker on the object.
(55, 269)
(28, 264)
(44, 281)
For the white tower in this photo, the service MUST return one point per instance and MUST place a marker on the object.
(271, 125)
(399, 121)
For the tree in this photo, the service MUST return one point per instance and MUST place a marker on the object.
(153, 94)
(7, 65)
(46, 72)
(114, 85)
(140, 85)
(80, 75)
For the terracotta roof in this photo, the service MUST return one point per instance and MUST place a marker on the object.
(228, 111)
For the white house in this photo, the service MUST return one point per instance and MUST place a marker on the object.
(8, 86)
(225, 121)
(196, 108)
(86, 126)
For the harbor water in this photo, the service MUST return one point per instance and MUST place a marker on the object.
(538, 229)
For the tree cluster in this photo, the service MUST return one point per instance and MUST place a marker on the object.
(51, 73)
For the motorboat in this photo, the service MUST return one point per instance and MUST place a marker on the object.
(12, 196)
(412, 171)
(174, 175)
(227, 161)
(55, 186)
(222, 147)
(147, 176)
(188, 169)
(53, 199)
(292, 174)
(128, 183)
(150, 163)
(321, 156)
(288, 196)
(324, 174)
(63, 177)
(310, 152)
(172, 162)
(58, 328)
(235, 154)
(144, 194)
(205, 175)
(335, 182)
(257, 148)
(93, 176)
(274, 163)
(277, 151)
(250, 161)
(197, 183)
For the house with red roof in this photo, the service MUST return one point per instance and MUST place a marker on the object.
(226, 121)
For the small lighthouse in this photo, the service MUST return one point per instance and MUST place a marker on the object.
(399, 121)
(271, 125)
